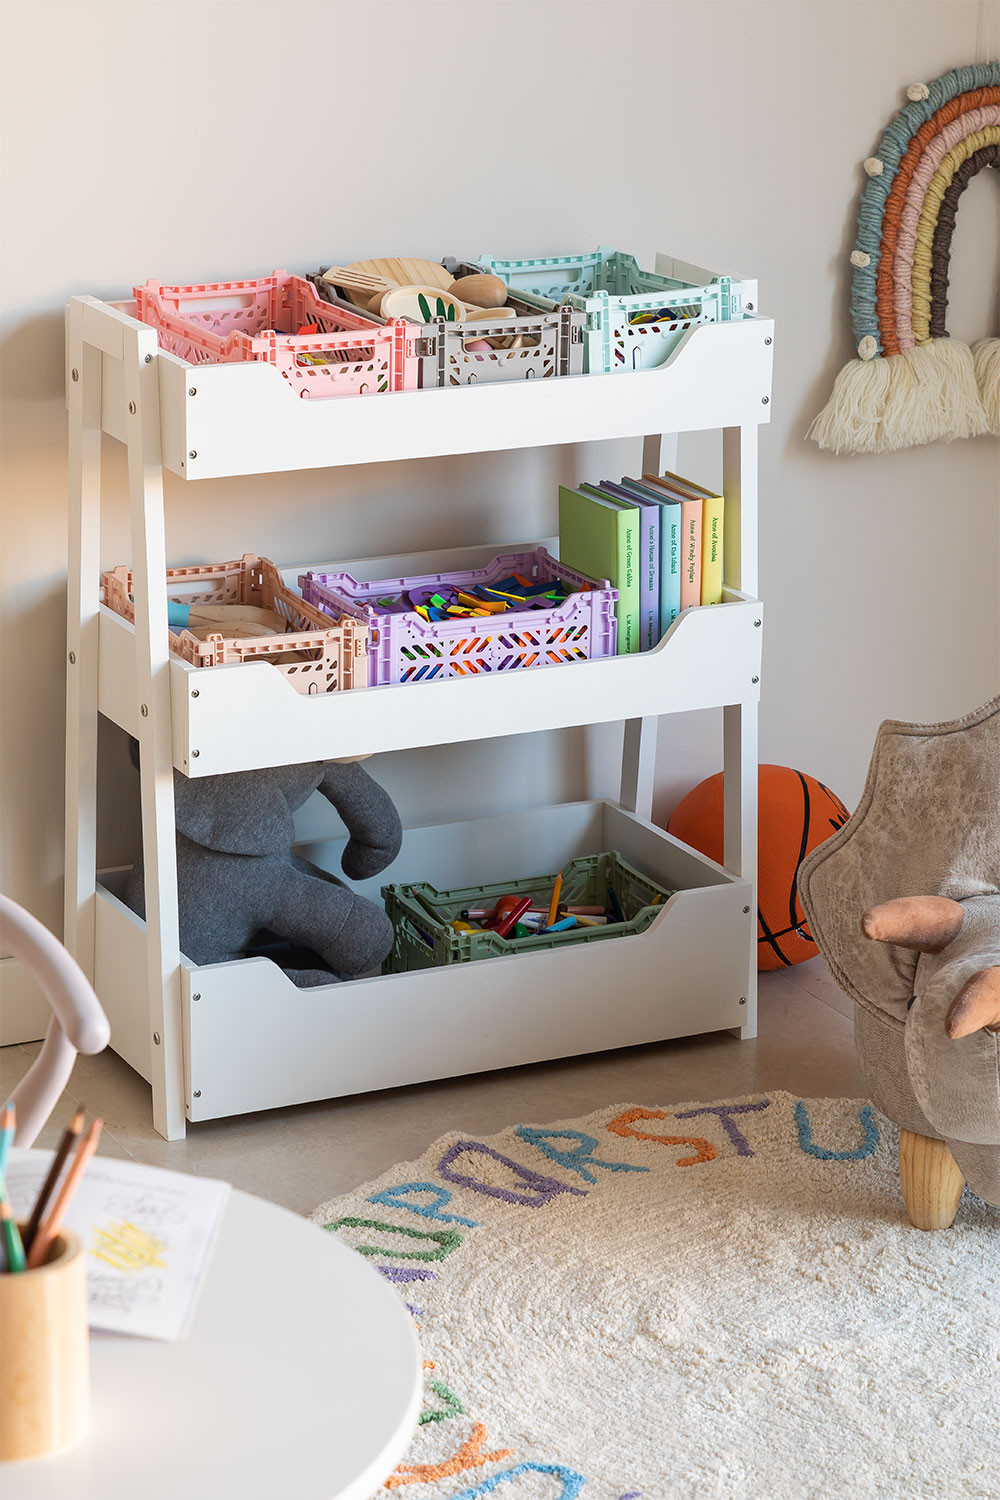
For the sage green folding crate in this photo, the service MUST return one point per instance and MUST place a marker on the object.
(421, 915)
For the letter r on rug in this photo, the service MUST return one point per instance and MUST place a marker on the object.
(580, 1159)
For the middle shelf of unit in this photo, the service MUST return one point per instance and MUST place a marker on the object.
(245, 716)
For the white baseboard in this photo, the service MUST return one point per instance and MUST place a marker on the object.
(24, 1010)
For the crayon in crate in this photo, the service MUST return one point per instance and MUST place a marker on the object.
(596, 897)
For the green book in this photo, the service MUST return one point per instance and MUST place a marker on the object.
(599, 538)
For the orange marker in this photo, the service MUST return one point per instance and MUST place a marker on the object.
(554, 903)
(51, 1226)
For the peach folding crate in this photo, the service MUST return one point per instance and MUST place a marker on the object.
(317, 654)
(322, 349)
(403, 647)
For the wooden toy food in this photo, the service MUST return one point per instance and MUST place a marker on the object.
(488, 314)
(479, 291)
(228, 620)
(231, 629)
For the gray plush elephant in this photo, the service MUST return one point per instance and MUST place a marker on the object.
(904, 903)
(241, 890)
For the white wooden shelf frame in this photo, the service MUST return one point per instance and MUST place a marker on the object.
(175, 1022)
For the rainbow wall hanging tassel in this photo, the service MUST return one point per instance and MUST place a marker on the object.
(911, 383)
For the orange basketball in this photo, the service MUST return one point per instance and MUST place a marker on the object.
(796, 813)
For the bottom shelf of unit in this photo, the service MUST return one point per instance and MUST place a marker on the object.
(253, 1041)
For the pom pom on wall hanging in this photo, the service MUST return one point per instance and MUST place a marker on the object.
(911, 383)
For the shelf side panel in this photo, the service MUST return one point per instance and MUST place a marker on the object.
(120, 979)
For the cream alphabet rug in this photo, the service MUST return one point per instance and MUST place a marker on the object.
(703, 1302)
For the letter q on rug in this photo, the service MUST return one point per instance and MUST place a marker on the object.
(722, 1301)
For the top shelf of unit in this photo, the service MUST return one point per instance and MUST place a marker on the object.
(230, 419)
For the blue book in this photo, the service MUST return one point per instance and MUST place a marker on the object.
(670, 550)
(648, 561)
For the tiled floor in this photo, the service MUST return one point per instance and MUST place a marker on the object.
(301, 1156)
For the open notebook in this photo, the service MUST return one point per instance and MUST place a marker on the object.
(147, 1235)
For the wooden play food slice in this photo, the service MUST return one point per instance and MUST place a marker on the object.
(402, 273)
(488, 314)
(405, 302)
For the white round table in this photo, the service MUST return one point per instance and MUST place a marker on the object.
(300, 1379)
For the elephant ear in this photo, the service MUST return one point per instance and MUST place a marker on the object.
(956, 1080)
(928, 823)
(246, 813)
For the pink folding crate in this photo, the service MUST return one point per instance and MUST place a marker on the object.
(404, 647)
(217, 322)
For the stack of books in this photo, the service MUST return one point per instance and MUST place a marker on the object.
(657, 540)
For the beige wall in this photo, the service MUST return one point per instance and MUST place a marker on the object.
(203, 140)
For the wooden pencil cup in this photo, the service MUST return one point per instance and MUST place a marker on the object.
(44, 1354)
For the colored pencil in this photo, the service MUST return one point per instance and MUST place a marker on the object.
(614, 906)
(512, 917)
(554, 903)
(8, 1121)
(12, 1245)
(565, 925)
(50, 1226)
(69, 1136)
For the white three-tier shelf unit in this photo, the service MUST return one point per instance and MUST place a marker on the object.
(224, 1039)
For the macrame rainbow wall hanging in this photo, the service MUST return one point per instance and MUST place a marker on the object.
(911, 383)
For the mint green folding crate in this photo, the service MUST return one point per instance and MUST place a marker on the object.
(634, 318)
(421, 915)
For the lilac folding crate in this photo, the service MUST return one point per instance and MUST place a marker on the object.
(404, 647)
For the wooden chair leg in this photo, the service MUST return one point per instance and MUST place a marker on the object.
(931, 1180)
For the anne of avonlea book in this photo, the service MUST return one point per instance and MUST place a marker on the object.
(598, 537)
(691, 516)
(712, 517)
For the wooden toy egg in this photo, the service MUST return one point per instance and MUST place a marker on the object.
(480, 290)
(375, 303)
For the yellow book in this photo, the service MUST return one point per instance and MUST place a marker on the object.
(712, 523)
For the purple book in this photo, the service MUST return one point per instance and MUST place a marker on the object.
(649, 561)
